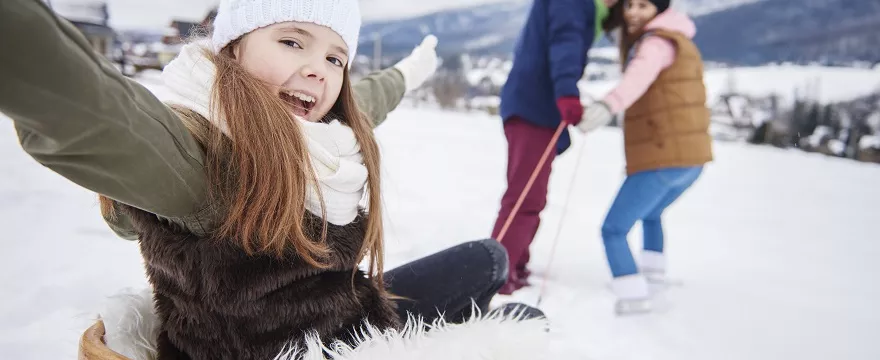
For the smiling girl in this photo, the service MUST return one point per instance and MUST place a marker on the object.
(666, 138)
(244, 188)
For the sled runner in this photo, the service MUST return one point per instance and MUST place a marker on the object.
(92, 346)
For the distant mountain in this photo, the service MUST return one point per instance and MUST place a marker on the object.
(730, 31)
(829, 31)
(484, 29)
(488, 28)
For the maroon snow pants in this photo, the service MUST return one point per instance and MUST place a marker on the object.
(526, 143)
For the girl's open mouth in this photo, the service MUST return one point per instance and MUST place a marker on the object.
(299, 103)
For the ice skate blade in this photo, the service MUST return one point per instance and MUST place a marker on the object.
(633, 307)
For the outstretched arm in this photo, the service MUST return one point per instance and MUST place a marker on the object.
(382, 91)
(78, 116)
(379, 93)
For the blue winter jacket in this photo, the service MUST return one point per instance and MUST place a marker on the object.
(549, 59)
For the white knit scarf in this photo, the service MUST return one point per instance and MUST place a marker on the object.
(335, 153)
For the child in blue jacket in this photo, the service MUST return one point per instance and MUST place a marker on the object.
(541, 91)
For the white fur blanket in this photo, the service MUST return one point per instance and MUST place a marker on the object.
(131, 328)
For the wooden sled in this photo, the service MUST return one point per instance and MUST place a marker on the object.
(530, 341)
(92, 346)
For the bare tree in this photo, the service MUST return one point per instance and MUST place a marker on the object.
(450, 85)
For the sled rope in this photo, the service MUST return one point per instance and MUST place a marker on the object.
(577, 165)
(522, 196)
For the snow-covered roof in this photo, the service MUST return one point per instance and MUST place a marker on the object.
(723, 119)
(496, 76)
(760, 116)
(873, 121)
(836, 146)
(738, 105)
(89, 11)
(869, 142)
(815, 139)
(170, 31)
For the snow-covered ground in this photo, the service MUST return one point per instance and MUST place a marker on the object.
(776, 248)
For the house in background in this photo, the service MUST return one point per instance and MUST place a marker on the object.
(91, 18)
(179, 31)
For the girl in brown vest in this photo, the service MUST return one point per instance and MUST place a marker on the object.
(665, 134)
(244, 188)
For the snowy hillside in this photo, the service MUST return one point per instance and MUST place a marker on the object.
(773, 266)
(819, 83)
(132, 14)
(828, 31)
(385, 10)
(822, 84)
(702, 7)
(388, 10)
(482, 27)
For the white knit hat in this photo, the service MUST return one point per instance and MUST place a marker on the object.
(238, 17)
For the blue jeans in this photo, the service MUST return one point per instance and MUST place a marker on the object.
(450, 282)
(643, 196)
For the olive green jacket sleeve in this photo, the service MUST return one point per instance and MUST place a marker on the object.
(78, 116)
(379, 93)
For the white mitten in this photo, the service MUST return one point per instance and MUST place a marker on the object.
(420, 65)
(596, 116)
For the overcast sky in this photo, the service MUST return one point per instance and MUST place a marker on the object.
(127, 14)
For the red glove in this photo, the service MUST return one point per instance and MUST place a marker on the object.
(571, 109)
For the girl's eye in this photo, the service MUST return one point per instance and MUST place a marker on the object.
(335, 60)
(291, 43)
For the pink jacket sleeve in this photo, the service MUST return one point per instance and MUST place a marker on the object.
(652, 56)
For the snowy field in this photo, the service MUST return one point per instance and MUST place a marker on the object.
(776, 249)
(820, 83)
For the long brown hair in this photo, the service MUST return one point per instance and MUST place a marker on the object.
(616, 21)
(259, 174)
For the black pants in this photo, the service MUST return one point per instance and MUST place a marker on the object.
(449, 282)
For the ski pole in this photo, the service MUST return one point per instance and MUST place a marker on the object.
(577, 165)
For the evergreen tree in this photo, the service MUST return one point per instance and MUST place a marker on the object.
(812, 120)
(798, 122)
(827, 116)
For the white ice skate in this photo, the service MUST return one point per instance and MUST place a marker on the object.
(625, 307)
(653, 266)
(633, 296)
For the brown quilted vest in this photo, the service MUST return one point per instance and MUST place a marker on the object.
(669, 125)
(215, 302)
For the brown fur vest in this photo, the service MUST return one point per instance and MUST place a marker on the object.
(215, 302)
